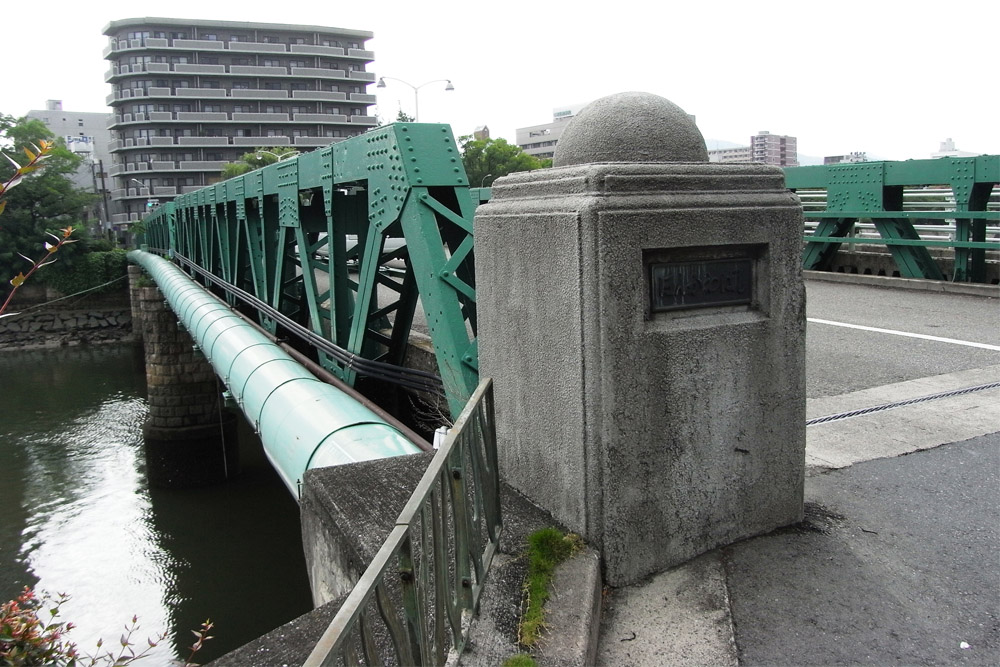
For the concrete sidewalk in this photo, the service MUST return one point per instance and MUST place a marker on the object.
(897, 561)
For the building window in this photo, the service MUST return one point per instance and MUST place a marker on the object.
(272, 85)
(241, 108)
(270, 62)
(274, 108)
(275, 132)
(182, 107)
(297, 40)
(179, 60)
(239, 38)
(241, 61)
(212, 108)
(209, 60)
(334, 110)
(298, 86)
(330, 42)
(210, 37)
(269, 39)
(209, 84)
(299, 110)
(241, 85)
(296, 63)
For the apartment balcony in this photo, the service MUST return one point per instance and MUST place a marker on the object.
(159, 92)
(248, 117)
(362, 76)
(316, 49)
(194, 68)
(249, 93)
(156, 42)
(203, 141)
(257, 70)
(262, 141)
(312, 141)
(201, 165)
(361, 53)
(199, 44)
(195, 116)
(319, 118)
(320, 95)
(161, 141)
(160, 115)
(109, 49)
(260, 47)
(319, 72)
(162, 165)
(364, 120)
(213, 93)
(116, 169)
(363, 98)
(166, 190)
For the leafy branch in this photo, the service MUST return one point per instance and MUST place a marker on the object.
(44, 260)
(42, 152)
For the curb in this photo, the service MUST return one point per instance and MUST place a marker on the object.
(573, 613)
(971, 289)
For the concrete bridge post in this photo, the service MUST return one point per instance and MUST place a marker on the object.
(190, 440)
(642, 314)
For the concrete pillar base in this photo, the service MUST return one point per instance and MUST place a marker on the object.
(190, 456)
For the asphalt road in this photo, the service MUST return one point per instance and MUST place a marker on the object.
(841, 360)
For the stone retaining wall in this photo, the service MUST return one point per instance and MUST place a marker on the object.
(51, 328)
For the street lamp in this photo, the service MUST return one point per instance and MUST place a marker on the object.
(281, 157)
(416, 89)
(141, 184)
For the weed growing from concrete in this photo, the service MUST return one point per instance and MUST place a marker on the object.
(547, 548)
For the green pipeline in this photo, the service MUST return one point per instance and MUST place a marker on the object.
(303, 423)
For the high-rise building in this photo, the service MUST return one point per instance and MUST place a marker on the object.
(776, 149)
(86, 134)
(190, 96)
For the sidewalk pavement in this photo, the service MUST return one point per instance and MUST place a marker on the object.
(896, 563)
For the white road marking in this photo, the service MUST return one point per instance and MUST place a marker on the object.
(984, 346)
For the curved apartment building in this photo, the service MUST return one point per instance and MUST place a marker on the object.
(190, 96)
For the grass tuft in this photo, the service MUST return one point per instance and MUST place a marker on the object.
(547, 548)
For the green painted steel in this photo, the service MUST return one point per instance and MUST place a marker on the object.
(952, 188)
(325, 237)
(421, 589)
(303, 423)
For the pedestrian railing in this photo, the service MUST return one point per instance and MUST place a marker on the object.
(415, 602)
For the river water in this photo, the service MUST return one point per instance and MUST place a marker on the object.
(77, 516)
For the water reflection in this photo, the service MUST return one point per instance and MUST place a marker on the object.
(79, 518)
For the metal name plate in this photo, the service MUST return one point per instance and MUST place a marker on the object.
(717, 282)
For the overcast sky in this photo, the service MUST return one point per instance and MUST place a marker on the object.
(892, 78)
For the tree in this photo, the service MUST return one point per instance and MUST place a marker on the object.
(494, 158)
(402, 117)
(45, 202)
(255, 159)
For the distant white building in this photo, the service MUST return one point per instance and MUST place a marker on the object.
(764, 148)
(87, 135)
(857, 156)
(541, 140)
(948, 150)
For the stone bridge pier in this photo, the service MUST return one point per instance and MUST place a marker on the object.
(642, 315)
(190, 437)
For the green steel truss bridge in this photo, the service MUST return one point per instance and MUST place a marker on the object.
(309, 243)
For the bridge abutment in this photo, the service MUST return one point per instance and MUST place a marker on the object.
(642, 315)
(190, 438)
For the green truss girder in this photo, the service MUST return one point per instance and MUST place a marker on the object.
(392, 206)
(875, 190)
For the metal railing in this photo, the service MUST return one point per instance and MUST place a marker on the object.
(415, 602)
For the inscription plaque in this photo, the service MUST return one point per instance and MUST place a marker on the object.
(714, 282)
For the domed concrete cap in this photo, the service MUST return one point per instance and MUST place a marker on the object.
(630, 127)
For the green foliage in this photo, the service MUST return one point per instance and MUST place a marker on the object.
(403, 117)
(45, 201)
(255, 159)
(494, 158)
(546, 549)
(87, 271)
(520, 660)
